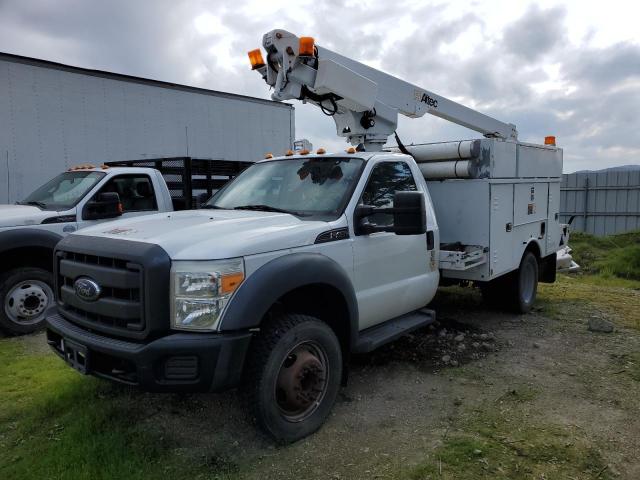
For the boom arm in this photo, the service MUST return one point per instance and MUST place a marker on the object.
(364, 102)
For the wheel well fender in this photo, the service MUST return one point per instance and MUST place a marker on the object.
(534, 248)
(27, 247)
(297, 274)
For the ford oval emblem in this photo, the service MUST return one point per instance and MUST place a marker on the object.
(86, 289)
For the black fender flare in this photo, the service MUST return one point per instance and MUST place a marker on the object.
(28, 237)
(281, 275)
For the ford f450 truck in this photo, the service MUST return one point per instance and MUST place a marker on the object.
(83, 196)
(304, 258)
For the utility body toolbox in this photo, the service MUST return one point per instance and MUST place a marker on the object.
(491, 197)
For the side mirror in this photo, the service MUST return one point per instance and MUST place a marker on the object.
(106, 205)
(409, 215)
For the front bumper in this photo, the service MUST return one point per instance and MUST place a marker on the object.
(191, 362)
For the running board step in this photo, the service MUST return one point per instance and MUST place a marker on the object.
(375, 337)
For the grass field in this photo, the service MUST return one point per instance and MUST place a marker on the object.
(55, 423)
(616, 256)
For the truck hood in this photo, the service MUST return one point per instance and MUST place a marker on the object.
(20, 215)
(213, 234)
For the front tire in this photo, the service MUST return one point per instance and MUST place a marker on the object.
(25, 296)
(293, 376)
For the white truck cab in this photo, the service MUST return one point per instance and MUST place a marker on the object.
(64, 203)
(306, 258)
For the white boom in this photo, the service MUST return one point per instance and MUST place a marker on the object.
(364, 102)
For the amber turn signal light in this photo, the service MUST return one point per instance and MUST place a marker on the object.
(231, 281)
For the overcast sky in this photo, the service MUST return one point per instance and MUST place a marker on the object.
(570, 69)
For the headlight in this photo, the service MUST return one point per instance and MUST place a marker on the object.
(201, 290)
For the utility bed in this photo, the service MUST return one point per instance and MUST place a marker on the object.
(491, 197)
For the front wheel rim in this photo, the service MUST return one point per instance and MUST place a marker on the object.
(27, 302)
(302, 381)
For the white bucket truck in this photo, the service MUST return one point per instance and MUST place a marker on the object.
(306, 258)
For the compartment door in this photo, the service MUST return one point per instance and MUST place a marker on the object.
(501, 245)
(553, 222)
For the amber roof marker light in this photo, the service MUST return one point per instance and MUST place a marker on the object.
(550, 140)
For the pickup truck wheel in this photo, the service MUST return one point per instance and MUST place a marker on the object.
(524, 286)
(25, 295)
(293, 376)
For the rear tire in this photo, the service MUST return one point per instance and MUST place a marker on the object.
(516, 290)
(524, 286)
(25, 296)
(293, 376)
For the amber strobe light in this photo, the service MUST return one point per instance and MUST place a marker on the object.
(255, 57)
(550, 140)
(307, 47)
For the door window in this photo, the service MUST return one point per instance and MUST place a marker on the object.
(386, 179)
(135, 192)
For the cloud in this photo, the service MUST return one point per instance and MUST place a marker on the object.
(536, 32)
(608, 67)
(518, 64)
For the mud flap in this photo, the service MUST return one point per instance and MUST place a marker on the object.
(548, 269)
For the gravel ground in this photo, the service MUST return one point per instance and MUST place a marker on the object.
(404, 400)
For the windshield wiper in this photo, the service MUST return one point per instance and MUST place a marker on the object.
(33, 202)
(268, 208)
(213, 207)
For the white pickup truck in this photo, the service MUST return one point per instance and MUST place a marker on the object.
(80, 197)
(304, 259)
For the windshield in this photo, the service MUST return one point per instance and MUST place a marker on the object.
(301, 186)
(64, 191)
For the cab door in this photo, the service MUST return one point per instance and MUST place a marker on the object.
(392, 272)
(137, 196)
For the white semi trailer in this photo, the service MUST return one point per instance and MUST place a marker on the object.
(306, 258)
